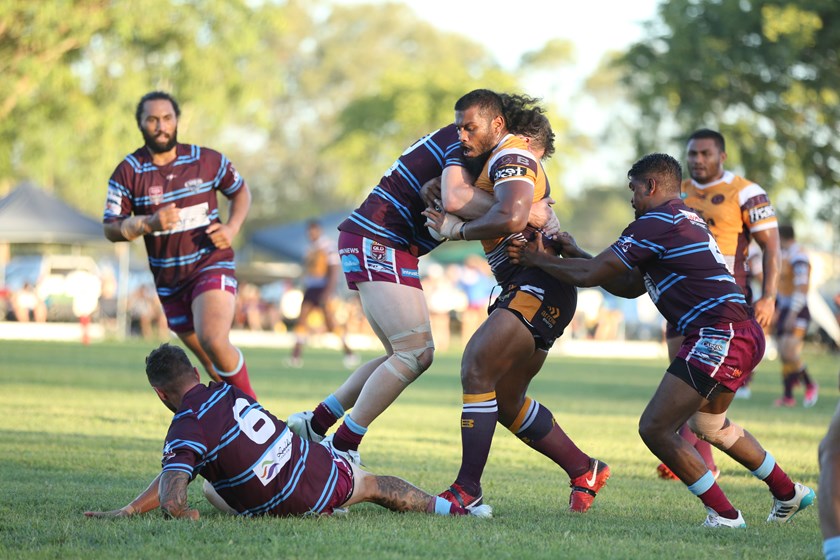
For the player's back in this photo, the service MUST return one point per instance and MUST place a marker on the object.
(391, 213)
(795, 270)
(255, 463)
(684, 271)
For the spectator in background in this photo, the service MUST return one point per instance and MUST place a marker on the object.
(477, 283)
(793, 318)
(28, 306)
(146, 312)
(320, 276)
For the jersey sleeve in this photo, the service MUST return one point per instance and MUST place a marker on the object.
(757, 212)
(642, 240)
(229, 181)
(514, 165)
(119, 201)
(185, 448)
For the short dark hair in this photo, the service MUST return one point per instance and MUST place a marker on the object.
(524, 116)
(489, 103)
(664, 168)
(709, 134)
(786, 232)
(167, 366)
(152, 96)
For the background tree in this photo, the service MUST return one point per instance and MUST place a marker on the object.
(764, 72)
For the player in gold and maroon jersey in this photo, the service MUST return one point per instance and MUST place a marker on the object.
(171, 190)
(253, 465)
(736, 210)
(793, 318)
(531, 312)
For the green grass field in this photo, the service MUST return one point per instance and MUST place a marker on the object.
(81, 429)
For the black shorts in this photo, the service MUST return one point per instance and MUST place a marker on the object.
(544, 304)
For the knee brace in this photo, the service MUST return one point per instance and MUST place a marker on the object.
(410, 347)
(713, 428)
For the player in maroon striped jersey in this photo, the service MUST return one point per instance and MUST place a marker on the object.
(252, 463)
(171, 188)
(669, 252)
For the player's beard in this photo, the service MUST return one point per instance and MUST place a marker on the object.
(475, 164)
(157, 147)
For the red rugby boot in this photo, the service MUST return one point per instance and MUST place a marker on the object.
(458, 496)
(586, 486)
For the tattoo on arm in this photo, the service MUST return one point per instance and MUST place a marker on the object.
(173, 493)
(398, 495)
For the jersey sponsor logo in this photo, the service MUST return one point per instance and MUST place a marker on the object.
(410, 272)
(467, 423)
(193, 184)
(761, 213)
(156, 194)
(167, 452)
(193, 217)
(718, 199)
(350, 263)
(549, 316)
(509, 171)
(378, 252)
(693, 217)
(624, 243)
(349, 251)
(275, 459)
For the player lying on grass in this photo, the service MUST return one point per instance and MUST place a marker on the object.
(669, 251)
(251, 462)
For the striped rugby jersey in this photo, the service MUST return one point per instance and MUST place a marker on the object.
(391, 213)
(684, 271)
(191, 181)
(252, 459)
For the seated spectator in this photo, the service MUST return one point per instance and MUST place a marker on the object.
(28, 306)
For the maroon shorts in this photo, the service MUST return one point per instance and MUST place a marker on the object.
(366, 260)
(343, 487)
(178, 308)
(543, 304)
(727, 353)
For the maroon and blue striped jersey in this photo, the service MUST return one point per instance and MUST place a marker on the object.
(191, 181)
(391, 213)
(252, 459)
(684, 271)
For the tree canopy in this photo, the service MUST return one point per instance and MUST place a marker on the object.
(763, 72)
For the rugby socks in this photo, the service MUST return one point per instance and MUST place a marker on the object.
(349, 435)
(478, 423)
(326, 414)
(712, 496)
(803, 375)
(238, 377)
(831, 548)
(704, 448)
(775, 478)
(442, 506)
(536, 427)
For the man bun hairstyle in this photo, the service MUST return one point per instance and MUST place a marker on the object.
(526, 117)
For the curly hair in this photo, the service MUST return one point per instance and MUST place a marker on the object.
(154, 96)
(524, 116)
(167, 366)
(663, 167)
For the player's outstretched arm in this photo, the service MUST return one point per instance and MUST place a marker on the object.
(146, 501)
